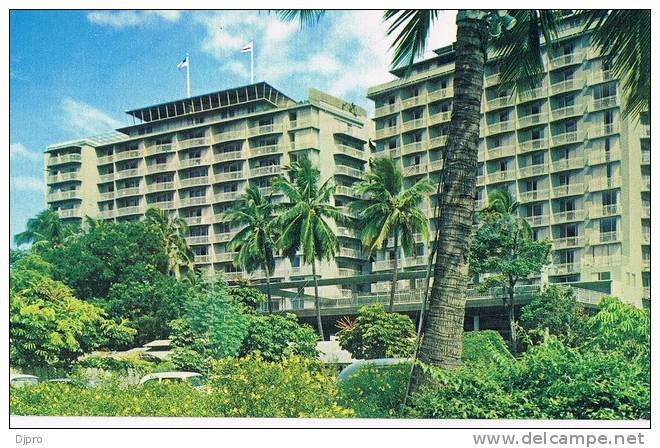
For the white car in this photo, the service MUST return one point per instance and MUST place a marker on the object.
(193, 378)
(21, 380)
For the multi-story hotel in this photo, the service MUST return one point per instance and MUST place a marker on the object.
(578, 167)
(195, 157)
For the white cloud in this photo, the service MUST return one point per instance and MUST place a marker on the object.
(82, 118)
(26, 183)
(19, 151)
(125, 19)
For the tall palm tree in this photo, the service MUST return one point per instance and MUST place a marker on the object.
(45, 229)
(385, 210)
(303, 221)
(519, 52)
(255, 242)
(172, 231)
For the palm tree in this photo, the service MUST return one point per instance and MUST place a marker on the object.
(385, 210)
(172, 231)
(255, 243)
(303, 221)
(519, 52)
(45, 229)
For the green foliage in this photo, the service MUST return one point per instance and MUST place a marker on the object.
(137, 362)
(276, 337)
(105, 255)
(49, 327)
(246, 387)
(249, 298)
(45, 231)
(376, 391)
(376, 333)
(557, 310)
(172, 232)
(485, 347)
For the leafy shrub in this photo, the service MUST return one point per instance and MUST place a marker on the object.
(376, 333)
(278, 336)
(249, 298)
(376, 392)
(484, 347)
(119, 363)
(247, 387)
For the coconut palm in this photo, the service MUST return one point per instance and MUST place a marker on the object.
(385, 210)
(45, 229)
(303, 221)
(172, 231)
(255, 242)
(518, 49)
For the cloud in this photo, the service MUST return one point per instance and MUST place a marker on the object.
(19, 151)
(126, 19)
(26, 183)
(82, 118)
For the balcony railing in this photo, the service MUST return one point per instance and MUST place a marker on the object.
(568, 164)
(440, 117)
(163, 205)
(225, 256)
(102, 160)
(193, 220)
(257, 151)
(567, 59)
(538, 220)
(64, 158)
(564, 268)
(160, 147)
(532, 119)
(194, 181)
(491, 80)
(133, 191)
(566, 242)
(224, 237)
(350, 151)
(598, 157)
(436, 165)
(601, 76)
(265, 129)
(567, 138)
(568, 190)
(107, 214)
(533, 195)
(413, 101)
(604, 183)
(227, 196)
(387, 131)
(604, 210)
(603, 130)
(502, 126)
(125, 155)
(159, 167)
(567, 86)
(501, 176)
(193, 142)
(410, 148)
(227, 156)
(202, 258)
(350, 252)
(646, 157)
(345, 191)
(533, 170)
(63, 177)
(63, 195)
(533, 145)
(69, 213)
(386, 110)
(532, 94)
(438, 142)
(238, 134)
(199, 239)
(228, 176)
(605, 103)
(413, 124)
(196, 200)
(574, 110)
(194, 161)
(498, 103)
(265, 170)
(441, 94)
(123, 174)
(608, 237)
(501, 151)
(131, 210)
(349, 171)
(568, 216)
(160, 186)
(646, 183)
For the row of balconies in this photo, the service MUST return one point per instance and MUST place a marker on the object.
(406, 103)
(63, 195)
(64, 158)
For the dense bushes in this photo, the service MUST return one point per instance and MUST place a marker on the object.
(246, 387)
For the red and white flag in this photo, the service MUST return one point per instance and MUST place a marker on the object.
(247, 48)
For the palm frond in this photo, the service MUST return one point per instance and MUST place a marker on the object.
(413, 27)
(306, 17)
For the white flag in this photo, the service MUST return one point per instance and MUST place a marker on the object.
(183, 63)
(247, 48)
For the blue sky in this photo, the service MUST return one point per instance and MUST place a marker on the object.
(73, 73)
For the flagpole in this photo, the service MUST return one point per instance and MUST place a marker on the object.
(252, 64)
(188, 74)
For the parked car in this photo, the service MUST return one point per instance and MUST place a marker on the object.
(195, 379)
(380, 363)
(76, 381)
(21, 380)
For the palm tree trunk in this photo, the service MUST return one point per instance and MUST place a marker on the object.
(443, 332)
(394, 274)
(270, 302)
(513, 336)
(317, 303)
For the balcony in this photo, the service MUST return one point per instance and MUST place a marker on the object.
(194, 143)
(345, 190)
(349, 252)
(160, 147)
(106, 195)
(646, 211)
(160, 186)
(532, 94)
(194, 220)
(387, 132)
(386, 110)
(228, 176)
(603, 130)
(538, 220)
(64, 158)
(502, 126)
(269, 170)
(356, 132)
(567, 242)
(107, 214)
(646, 183)
(193, 181)
(345, 272)
(124, 174)
(567, 59)
(568, 216)
(411, 125)
(646, 131)
(567, 138)
(604, 103)
(411, 148)
(194, 161)
(415, 170)
(126, 155)
(69, 213)
(499, 103)
(604, 211)
(163, 205)
(198, 239)
(646, 238)
(195, 200)
(481, 180)
(258, 151)
(224, 257)
(224, 236)
(413, 101)
(568, 190)
(102, 160)
(228, 136)
(534, 195)
(130, 210)
(436, 165)
(349, 171)
(608, 237)
(599, 157)
(202, 258)
(441, 94)
(344, 210)
(438, 142)
(264, 129)
(63, 195)
(108, 177)
(228, 156)
(346, 232)
(574, 110)
(63, 177)
(227, 196)
(124, 192)
(491, 80)
(501, 151)
(646, 264)
(600, 76)
(159, 168)
(604, 183)
(350, 151)
(572, 163)
(533, 145)
(533, 170)
(605, 261)
(501, 176)
(564, 268)
(532, 120)
(568, 85)
(646, 157)
(383, 265)
(440, 117)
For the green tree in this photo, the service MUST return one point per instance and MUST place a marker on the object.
(255, 242)
(504, 250)
(376, 333)
(172, 232)
(48, 326)
(46, 229)
(385, 210)
(276, 337)
(249, 298)
(304, 219)
(556, 311)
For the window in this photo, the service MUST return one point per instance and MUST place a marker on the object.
(567, 257)
(295, 262)
(604, 276)
(535, 210)
(538, 159)
(504, 164)
(391, 144)
(570, 126)
(609, 169)
(532, 185)
(564, 179)
(536, 134)
(608, 225)
(567, 205)
(504, 116)
(568, 230)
